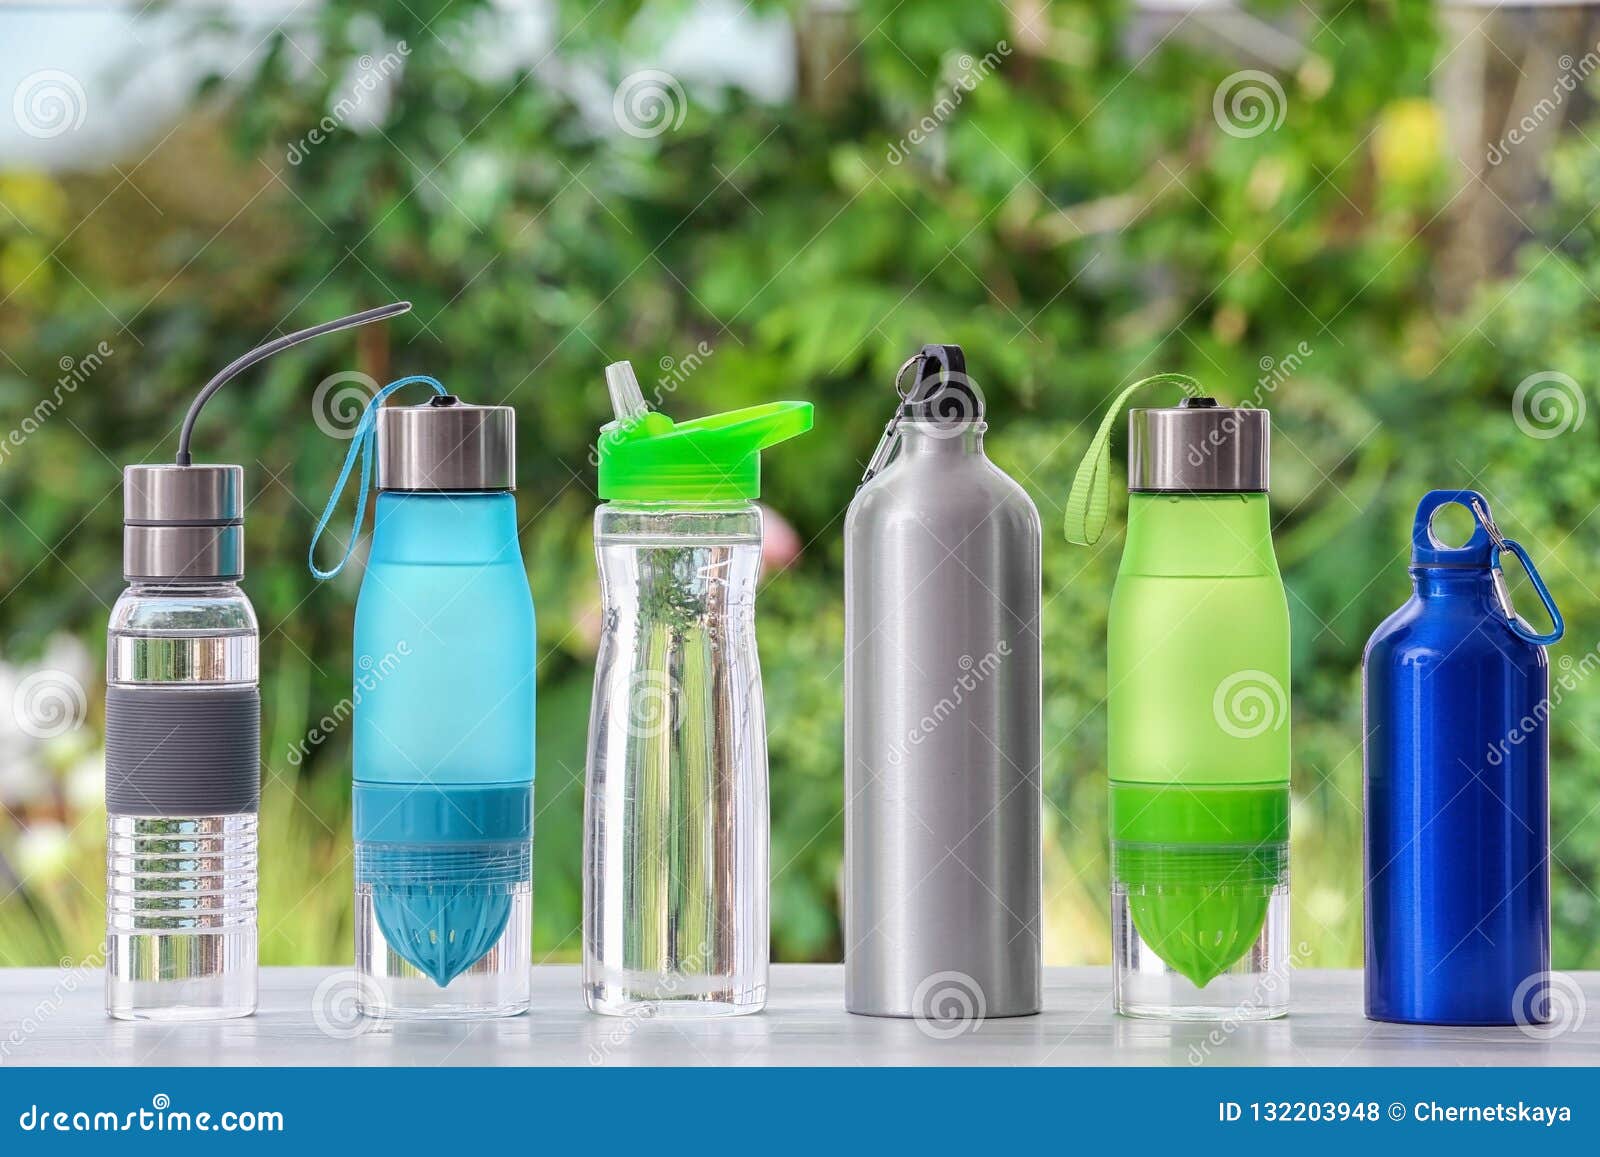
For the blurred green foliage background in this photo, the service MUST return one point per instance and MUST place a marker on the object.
(1087, 212)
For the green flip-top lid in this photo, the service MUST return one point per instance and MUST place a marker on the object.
(647, 457)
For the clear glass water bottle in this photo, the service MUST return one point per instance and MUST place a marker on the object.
(182, 753)
(676, 833)
(183, 732)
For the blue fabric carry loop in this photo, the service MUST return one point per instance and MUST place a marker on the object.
(362, 445)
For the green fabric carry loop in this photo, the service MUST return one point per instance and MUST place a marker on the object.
(1091, 486)
(363, 448)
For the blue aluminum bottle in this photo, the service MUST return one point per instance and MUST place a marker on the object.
(1457, 697)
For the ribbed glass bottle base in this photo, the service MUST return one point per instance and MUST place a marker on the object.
(180, 917)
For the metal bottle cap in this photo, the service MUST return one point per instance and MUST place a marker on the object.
(941, 392)
(1199, 447)
(183, 523)
(446, 444)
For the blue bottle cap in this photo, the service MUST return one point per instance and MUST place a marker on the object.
(1426, 550)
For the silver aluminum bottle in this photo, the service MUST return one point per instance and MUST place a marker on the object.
(942, 710)
(183, 717)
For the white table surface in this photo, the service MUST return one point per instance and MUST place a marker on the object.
(804, 1024)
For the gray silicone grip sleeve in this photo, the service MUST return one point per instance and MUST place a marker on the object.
(182, 751)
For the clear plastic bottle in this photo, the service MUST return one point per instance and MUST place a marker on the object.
(675, 834)
(182, 755)
(676, 903)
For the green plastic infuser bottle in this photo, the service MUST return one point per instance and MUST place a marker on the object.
(1198, 702)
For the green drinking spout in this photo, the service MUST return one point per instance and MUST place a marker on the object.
(647, 457)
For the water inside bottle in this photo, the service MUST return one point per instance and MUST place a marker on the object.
(676, 893)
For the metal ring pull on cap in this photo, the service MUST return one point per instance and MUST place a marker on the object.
(948, 364)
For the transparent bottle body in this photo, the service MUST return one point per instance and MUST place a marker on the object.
(181, 890)
(676, 826)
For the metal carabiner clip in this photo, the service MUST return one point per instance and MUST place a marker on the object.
(1503, 546)
(886, 443)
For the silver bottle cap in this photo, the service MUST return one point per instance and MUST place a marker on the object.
(182, 523)
(1199, 447)
(446, 444)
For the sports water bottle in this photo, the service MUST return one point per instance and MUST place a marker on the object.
(444, 714)
(675, 883)
(942, 700)
(183, 735)
(1198, 702)
(1457, 699)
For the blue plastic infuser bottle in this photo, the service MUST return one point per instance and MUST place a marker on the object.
(1457, 704)
(443, 715)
